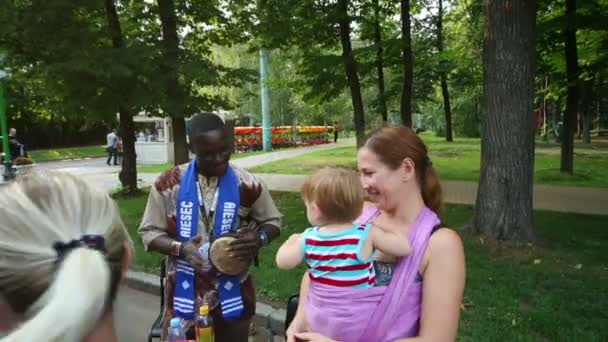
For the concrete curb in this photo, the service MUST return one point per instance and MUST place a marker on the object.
(265, 315)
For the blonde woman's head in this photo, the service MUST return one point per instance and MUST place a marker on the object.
(59, 292)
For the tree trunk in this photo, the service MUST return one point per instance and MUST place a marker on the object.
(504, 199)
(128, 172)
(379, 62)
(408, 66)
(444, 78)
(586, 104)
(544, 127)
(579, 125)
(599, 101)
(567, 158)
(166, 9)
(180, 147)
(350, 66)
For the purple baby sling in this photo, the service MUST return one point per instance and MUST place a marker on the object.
(383, 313)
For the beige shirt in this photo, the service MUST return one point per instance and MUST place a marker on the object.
(161, 207)
(159, 220)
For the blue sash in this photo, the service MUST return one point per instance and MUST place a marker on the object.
(229, 287)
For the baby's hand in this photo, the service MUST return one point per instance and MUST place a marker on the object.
(393, 242)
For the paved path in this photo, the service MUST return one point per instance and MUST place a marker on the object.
(546, 197)
(97, 172)
(134, 313)
(260, 159)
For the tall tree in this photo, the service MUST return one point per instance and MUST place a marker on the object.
(166, 10)
(350, 66)
(503, 208)
(408, 64)
(128, 173)
(570, 115)
(379, 61)
(586, 110)
(81, 63)
(443, 74)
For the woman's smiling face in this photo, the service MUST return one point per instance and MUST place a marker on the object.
(381, 183)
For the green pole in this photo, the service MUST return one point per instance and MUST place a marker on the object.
(8, 161)
(266, 122)
(7, 152)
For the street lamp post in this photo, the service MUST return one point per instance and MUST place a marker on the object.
(266, 121)
(8, 161)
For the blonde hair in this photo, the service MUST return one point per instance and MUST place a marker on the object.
(63, 300)
(337, 192)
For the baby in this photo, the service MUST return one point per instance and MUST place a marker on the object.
(337, 250)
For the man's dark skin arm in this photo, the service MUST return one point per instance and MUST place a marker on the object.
(188, 251)
(249, 242)
(247, 246)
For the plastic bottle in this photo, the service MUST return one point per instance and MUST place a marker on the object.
(204, 325)
(176, 334)
(204, 250)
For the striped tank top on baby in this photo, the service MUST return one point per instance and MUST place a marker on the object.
(335, 259)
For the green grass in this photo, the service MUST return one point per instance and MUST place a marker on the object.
(68, 153)
(132, 210)
(158, 168)
(460, 161)
(508, 297)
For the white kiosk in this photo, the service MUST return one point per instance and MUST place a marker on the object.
(154, 142)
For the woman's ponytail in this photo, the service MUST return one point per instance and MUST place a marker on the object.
(73, 303)
(431, 189)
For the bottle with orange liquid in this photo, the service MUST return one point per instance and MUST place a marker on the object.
(204, 325)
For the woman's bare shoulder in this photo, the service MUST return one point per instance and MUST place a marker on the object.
(445, 242)
(445, 248)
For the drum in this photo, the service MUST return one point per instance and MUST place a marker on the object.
(221, 259)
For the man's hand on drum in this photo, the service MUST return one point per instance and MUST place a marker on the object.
(190, 253)
(246, 245)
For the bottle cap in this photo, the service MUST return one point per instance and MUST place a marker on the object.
(176, 323)
(204, 309)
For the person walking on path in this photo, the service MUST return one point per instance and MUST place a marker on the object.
(111, 147)
(16, 148)
(335, 131)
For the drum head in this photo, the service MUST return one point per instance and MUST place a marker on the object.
(221, 259)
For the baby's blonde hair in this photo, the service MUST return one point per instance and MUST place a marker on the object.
(337, 192)
(60, 301)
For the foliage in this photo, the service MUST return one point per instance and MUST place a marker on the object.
(62, 67)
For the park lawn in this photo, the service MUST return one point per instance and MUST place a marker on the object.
(553, 291)
(158, 168)
(460, 160)
(68, 153)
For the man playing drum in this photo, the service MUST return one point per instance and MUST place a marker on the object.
(209, 205)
